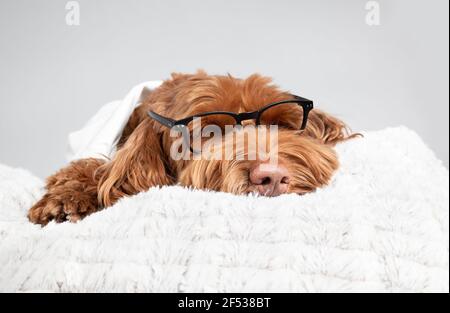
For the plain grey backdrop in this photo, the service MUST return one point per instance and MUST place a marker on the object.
(53, 77)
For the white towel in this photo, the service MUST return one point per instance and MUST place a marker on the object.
(99, 137)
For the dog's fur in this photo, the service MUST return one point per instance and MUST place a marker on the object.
(142, 159)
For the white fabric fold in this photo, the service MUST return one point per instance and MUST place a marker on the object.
(99, 137)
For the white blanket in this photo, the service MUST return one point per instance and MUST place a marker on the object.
(382, 225)
(99, 137)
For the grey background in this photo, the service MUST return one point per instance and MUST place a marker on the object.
(53, 77)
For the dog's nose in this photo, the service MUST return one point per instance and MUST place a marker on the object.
(270, 179)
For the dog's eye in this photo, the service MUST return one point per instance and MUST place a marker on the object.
(288, 115)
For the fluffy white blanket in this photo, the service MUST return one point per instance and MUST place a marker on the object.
(382, 225)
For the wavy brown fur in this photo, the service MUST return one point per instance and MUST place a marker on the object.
(142, 159)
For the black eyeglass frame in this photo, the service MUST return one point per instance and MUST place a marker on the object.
(306, 104)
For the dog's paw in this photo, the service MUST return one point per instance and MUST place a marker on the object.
(61, 208)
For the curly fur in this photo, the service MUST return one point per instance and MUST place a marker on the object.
(142, 159)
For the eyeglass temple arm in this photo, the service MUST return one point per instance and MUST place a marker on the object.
(168, 122)
(302, 99)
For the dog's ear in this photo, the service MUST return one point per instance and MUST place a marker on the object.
(327, 129)
(138, 165)
(313, 163)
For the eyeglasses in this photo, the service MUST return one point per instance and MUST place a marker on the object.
(287, 113)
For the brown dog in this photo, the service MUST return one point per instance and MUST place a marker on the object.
(306, 159)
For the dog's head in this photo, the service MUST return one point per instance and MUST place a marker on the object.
(285, 160)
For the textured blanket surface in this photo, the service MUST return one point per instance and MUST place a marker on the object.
(382, 225)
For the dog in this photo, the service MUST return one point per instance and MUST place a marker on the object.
(306, 159)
